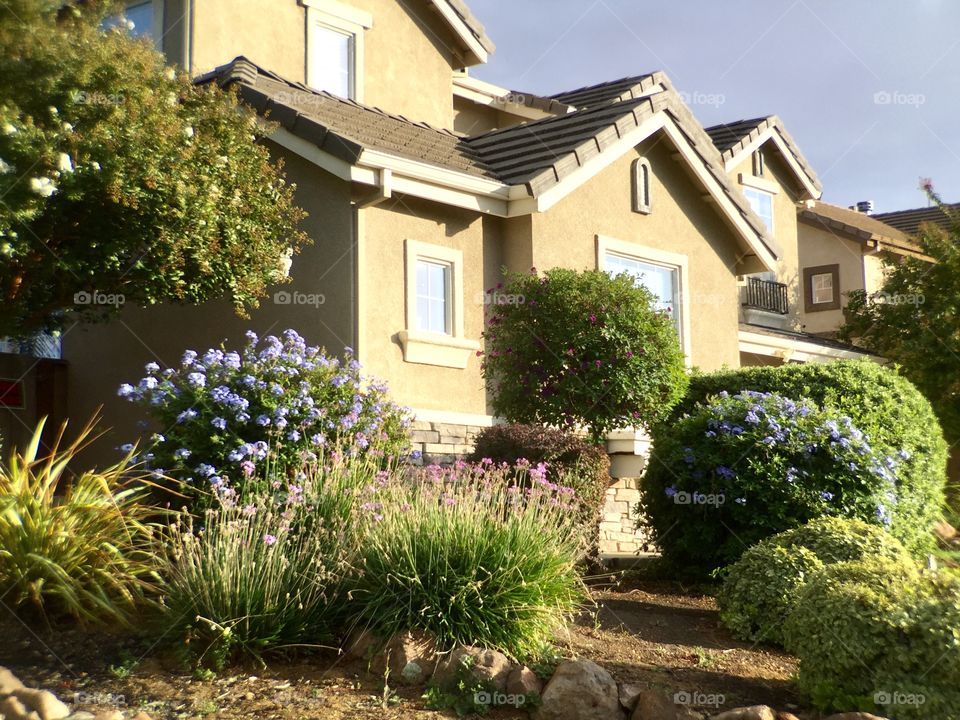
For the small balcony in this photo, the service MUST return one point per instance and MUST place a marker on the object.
(766, 296)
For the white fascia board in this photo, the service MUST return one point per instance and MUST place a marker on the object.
(333, 165)
(721, 198)
(790, 349)
(773, 134)
(462, 31)
(434, 174)
(487, 94)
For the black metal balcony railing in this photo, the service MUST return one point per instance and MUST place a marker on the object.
(765, 295)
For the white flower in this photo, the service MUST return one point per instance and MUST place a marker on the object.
(171, 99)
(222, 160)
(169, 74)
(5, 167)
(6, 249)
(43, 186)
(95, 166)
(64, 163)
(53, 111)
(9, 129)
(188, 131)
(129, 24)
(67, 127)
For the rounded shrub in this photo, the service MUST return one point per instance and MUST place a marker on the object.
(224, 413)
(581, 349)
(879, 636)
(898, 420)
(581, 464)
(763, 586)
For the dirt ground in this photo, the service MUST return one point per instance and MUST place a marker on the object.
(656, 635)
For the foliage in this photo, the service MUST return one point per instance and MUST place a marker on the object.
(263, 577)
(885, 406)
(765, 584)
(71, 545)
(581, 348)
(466, 555)
(879, 636)
(584, 466)
(743, 467)
(122, 180)
(225, 413)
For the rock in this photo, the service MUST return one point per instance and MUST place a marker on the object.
(945, 532)
(8, 682)
(141, 716)
(485, 665)
(754, 712)
(42, 702)
(524, 681)
(81, 715)
(653, 705)
(580, 690)
(13, 709)
(784, 715)
(854, 716)
(109, 715)
(412, 658)
(359, 645)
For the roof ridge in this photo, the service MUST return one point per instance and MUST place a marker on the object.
(636, 78)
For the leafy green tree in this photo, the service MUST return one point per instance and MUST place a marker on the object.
(121, 180)
(914, 320)
(581, 348)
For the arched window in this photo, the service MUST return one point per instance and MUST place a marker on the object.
(642, 178)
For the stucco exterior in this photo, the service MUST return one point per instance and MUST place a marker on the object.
(821, 247)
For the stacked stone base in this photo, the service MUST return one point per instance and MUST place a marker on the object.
(618, 533)
(442, 443)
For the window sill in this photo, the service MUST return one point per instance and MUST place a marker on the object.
(758, 183)
(426, 348)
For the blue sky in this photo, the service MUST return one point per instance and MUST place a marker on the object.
(869, 89)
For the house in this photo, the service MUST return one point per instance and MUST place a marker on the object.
(910, 221)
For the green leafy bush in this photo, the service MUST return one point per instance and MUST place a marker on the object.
(225, 413)
(583, 465)
(765, 584)
(467, 555)
(263, 577)
(742, 467)
(879, 636)
(75, 545)
(581, 348)
(885, 406)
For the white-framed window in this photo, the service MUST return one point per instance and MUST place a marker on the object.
(762, 204)
(758, 163)
(335, 45)
(435, 307)
(144, 18)
(663, 273)
(822, 288)
(641, 179)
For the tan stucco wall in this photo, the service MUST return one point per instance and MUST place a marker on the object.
(408, 61)
(101, 357)
(681, 222)
(819, 246)
(383, 298)
(874, 272)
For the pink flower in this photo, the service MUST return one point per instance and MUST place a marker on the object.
(269, 539)
(248, 468)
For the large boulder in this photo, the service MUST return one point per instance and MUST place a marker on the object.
(487, 666)
(8, 682)
(411, 658)
(754, 712)
(580, 690)
(524, 681)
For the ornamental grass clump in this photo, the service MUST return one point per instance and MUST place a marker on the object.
(742, 467)
(73, 545)
(470, 557)
(266, 576)
(224, 413)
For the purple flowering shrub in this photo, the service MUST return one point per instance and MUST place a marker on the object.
(743, 467)
(225, 414)
(478, 554)
(581, 349)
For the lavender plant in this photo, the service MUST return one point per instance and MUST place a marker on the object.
(742, 467)
(223, 414)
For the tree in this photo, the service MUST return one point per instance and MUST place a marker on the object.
(581, 348)
(121, 180)
(914, 320)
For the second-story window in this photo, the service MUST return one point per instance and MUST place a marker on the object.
(762, 204)
(641, 179)
(138, 18)
(335, 47)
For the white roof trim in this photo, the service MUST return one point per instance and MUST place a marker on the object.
(771, 133)
(789, 349)
(480, 54)
(482, 93)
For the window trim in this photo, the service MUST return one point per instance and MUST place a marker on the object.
(426, 347)
(641, 193)
(759, 163)
(808, 274)
(609, 245)
(448, 309)
(341, 18)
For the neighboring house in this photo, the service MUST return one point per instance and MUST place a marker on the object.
(909, 221)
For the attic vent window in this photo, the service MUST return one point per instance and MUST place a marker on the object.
(758, 163)
(641, 177)
(335, 47)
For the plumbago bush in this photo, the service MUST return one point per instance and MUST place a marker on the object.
(581, 349)
(743, 467)
(225, 414)
(469, 555)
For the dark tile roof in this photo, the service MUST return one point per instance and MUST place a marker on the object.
(726, 135)
(609, 92)
(909, 221)
(826, 342)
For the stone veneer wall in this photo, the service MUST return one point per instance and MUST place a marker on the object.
(618, 533)
(442, 443)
